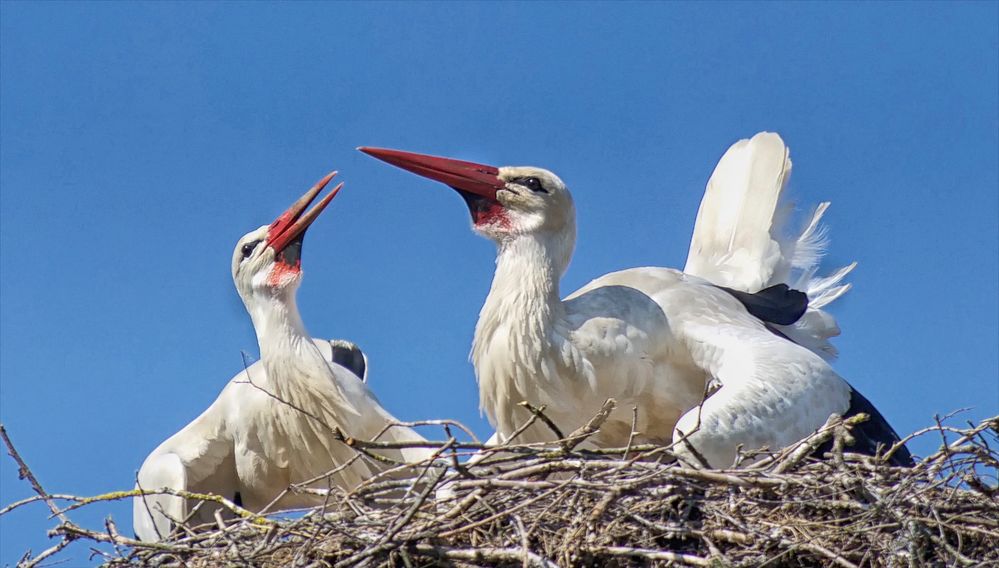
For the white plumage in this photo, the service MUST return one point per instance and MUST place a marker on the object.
(272, 425)
(651, 338)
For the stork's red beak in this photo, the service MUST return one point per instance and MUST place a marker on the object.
(477, 179)
(293, 222)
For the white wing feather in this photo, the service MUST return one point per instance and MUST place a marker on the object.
(773, 392)
(199, 459)
(732, 244)
(740, 237)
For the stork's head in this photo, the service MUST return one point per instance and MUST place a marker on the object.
(268, 261)
(505, 202)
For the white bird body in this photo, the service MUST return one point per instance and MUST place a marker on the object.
(273, 424)
(604, 341)
(651, 338)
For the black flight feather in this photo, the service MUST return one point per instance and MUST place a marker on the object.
(777, 304)
(871, 436)
(349, 356)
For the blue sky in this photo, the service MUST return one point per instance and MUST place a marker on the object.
(138, 142)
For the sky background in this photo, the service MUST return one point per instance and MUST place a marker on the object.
(138, 142)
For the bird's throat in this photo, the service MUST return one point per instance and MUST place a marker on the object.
(523, 302)
(279, 328)
(485, 212)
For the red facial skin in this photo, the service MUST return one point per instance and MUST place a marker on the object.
(283, 272)
(490, 213)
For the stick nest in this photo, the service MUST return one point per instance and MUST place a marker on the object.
(558, 505)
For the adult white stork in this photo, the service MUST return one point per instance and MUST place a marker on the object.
(272, 424)
(653, 338)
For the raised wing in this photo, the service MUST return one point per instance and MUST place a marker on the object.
(733, 244)
(741, 239)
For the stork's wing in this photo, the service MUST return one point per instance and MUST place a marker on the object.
(733, 244)
(200, 459)
(152, 514)
(774, 392)
(741, 240)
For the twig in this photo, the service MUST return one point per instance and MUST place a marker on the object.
(648, 554)
(24, 472)
(634, 431)
(539, 413)
(494, 555)
(579, 435)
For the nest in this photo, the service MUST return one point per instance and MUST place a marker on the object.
(557, 505)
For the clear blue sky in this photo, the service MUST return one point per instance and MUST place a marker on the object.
(140, 141)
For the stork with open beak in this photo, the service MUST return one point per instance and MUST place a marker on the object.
(272, 425)
(655, 338)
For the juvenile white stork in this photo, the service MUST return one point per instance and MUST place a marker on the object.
(653, 338)
(272, 424)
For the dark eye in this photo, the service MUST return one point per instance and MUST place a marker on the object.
(533, 184)
(248, 249)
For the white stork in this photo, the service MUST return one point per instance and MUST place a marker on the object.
(272, 424)
(654, 338)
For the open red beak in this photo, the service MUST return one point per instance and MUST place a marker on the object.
(477, 179)
(292, 223)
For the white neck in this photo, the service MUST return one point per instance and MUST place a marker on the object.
(286, 349)
(312, 400)
(524, 299)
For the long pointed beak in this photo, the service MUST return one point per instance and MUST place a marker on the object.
(293, 222)
(478, 179)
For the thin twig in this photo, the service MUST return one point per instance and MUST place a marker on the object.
(539, 413)
(24, 472)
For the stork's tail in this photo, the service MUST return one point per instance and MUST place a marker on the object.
(740, 237)
(803, 255)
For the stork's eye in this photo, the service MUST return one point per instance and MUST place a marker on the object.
(533, 184)
(248, 248)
